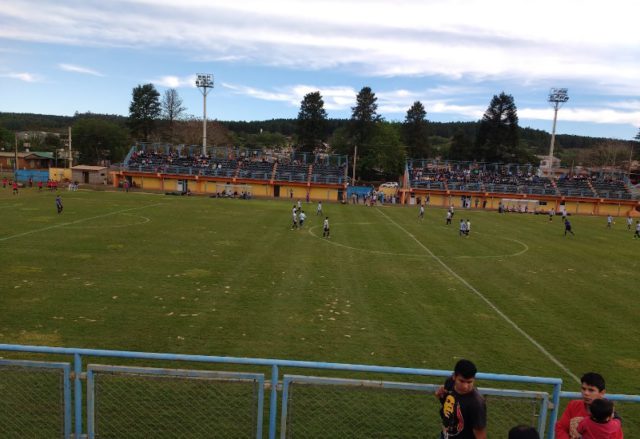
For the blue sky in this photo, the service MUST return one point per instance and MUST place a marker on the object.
(58, 57)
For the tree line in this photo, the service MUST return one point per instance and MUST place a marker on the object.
(381, 147)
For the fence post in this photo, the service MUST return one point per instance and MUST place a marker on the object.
(67, 403)
(273, 404)
(554, 412)
(77, 386)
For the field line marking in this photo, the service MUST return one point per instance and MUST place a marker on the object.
(44, 229)
(487, 301)
(411, 255)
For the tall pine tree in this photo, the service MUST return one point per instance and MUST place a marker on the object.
(312, 122)
(144, 110)
(416, 131)
(364, 117)
(498, 134)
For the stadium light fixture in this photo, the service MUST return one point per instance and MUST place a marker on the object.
(204, 82)
(557, 98)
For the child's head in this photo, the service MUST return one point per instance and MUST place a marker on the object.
(601, 410)
(523, 432)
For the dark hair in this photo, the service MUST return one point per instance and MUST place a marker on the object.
(523, 432)
(593, 379)
(465, 368)
(601, 409)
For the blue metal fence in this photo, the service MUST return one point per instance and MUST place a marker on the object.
(36, 175)
(538, 407)
(43, 386)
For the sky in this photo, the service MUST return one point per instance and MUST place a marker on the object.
(62, 56)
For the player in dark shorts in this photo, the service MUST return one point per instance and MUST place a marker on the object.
(567, 227)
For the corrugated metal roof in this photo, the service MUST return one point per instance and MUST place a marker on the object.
(88, 168)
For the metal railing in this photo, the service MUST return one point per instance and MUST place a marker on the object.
(127, 401)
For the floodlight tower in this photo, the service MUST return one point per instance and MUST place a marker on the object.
(204, 82)
(557, 97)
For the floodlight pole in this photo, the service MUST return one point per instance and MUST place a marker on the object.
(204, 82)
(557, 97)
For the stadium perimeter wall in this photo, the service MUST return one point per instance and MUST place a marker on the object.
(573, 205)
(211, 185)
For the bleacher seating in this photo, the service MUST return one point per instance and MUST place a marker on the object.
(236, 163)
(510, 179)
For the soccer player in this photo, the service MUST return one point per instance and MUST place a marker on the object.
(325, 228)
(468, 227)
(552, 212)
(319, 209)
(629, 222)
(637, 234)
(609, 221)
(421, 213)
(14, 185)
(59, 204)
(463, 228)
(464, 410)
(301, 217)
(592, 388)
(294, 213)
(567, 228)
(448, 217)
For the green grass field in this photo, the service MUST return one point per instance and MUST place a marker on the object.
(228, 277)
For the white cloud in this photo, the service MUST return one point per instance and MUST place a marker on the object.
(175, 81)
(592, 115)
(462, 39)
(23, 76)
(78, 69)
(626, 105)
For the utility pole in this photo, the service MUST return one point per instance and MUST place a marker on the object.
(355, 158)
(15, 161)
(70, 153)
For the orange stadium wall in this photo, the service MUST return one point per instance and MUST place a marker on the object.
(198, 185)
(573, 206)
(315, 193)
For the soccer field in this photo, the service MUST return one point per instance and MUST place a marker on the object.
(228, 277)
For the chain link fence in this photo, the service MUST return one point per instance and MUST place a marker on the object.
(368, 409)
(32, 403)
(162, 403)
(629, 412)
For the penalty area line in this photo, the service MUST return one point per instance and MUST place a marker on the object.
(44, 229)
(487, 301)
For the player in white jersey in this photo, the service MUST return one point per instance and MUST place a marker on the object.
(325, 228)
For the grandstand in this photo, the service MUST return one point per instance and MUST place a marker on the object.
(506, 179)
(181, 167)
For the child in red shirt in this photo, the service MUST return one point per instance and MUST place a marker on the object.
(600, 425)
